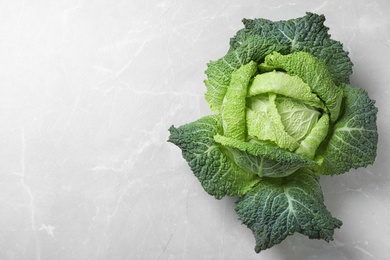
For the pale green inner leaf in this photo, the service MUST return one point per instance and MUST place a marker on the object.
(264, 122)
(297, 118)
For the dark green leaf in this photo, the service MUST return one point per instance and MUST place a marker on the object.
(277, 207)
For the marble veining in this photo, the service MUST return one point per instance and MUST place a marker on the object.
(88, 90)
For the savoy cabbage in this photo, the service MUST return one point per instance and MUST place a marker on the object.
(284, 113)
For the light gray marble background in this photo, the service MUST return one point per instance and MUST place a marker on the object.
(88, 90)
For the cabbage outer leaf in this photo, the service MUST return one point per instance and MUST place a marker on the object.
(307, 34)
(219, 72)
(263, 159)
(353, 141)
(208, 160)
(278, 207)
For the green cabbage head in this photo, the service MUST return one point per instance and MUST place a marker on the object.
(284, 113)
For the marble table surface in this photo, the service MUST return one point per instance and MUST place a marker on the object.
(88, 90)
